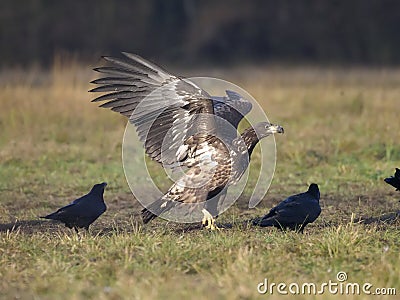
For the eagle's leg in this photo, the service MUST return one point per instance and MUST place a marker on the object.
(208, 220)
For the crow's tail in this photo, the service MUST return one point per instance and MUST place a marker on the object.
(264, 222)
(49, 217)
(155, 209)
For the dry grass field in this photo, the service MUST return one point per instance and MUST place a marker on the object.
(341, 131)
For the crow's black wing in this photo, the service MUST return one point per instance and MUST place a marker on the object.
(297, 212)
(298, 209)
(70, 211)
(293, 210)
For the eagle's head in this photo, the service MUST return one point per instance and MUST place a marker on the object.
(264, 129)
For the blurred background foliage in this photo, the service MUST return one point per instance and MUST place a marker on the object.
(202, 32)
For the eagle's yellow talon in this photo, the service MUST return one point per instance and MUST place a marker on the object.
(208, 220)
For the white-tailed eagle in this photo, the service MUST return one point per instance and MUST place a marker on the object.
(181, 125)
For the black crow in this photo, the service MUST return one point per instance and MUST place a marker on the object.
(181, 124)
(83, 211)
(295, 212)
(394, 180)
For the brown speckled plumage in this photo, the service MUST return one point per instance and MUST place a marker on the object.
(174, 119)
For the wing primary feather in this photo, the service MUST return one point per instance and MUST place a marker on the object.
(146, 63)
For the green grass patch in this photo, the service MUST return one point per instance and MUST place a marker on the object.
(341, 131)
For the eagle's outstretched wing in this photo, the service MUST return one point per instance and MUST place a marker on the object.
(232, 108)
(163, 107)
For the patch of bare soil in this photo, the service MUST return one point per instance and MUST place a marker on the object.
(123, 215)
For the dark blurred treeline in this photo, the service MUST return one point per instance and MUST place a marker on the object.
(208, 31)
